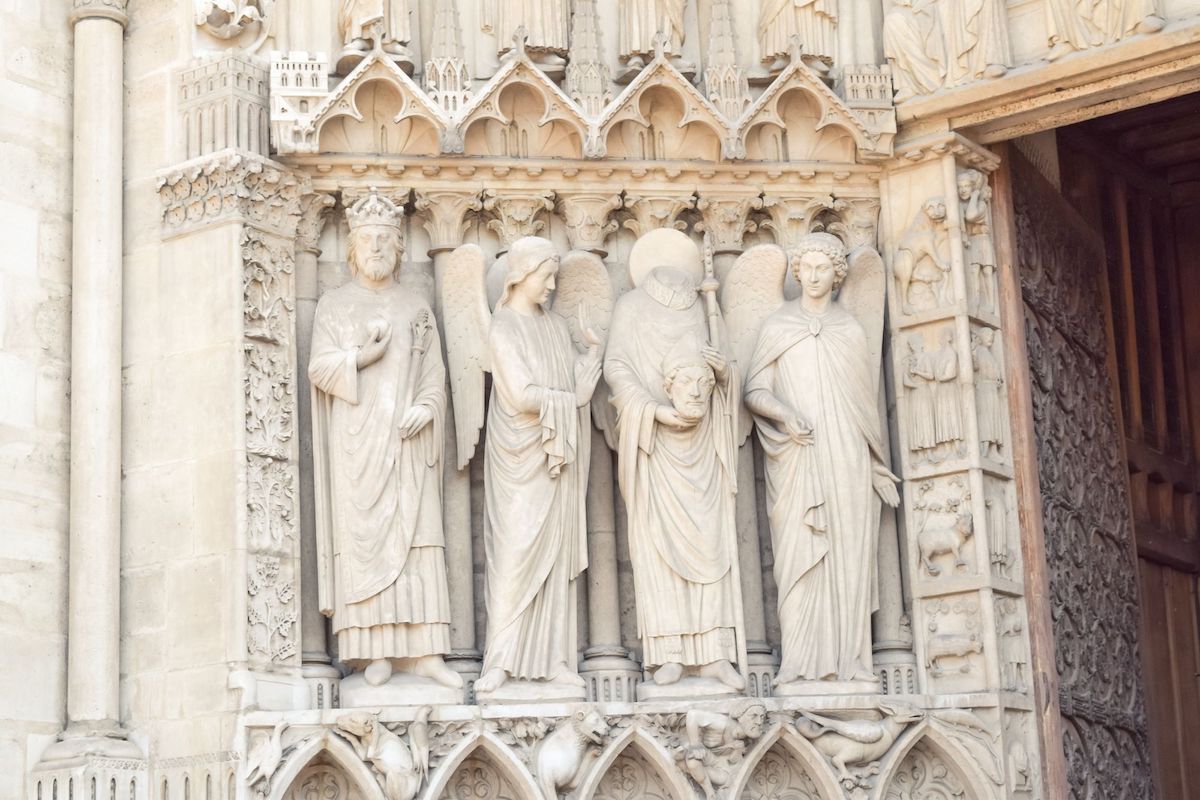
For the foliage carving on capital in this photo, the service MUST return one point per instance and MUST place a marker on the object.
(230, 186)
(790, 217)
(727, 219)
(586, 215)
(653, 210)
(314, 212)
(444, 215)
(517, 214)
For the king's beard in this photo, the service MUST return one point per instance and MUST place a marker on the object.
(376, 269)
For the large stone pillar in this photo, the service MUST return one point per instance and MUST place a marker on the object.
(444, 214)
(93, 727)
(316, 665)
(726, 219)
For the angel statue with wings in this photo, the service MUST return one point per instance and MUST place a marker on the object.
(378, 403)
(676, 397)
(545, 363)
(812, 386)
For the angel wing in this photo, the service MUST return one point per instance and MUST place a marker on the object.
(862, 294)
(751, 292)
(466, 320)
(584, 298)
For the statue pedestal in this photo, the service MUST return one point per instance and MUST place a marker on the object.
(815, 688)
(402, 689)
(514, 691)
(692, 687)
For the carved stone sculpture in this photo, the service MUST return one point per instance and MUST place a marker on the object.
(640, 23)
(537, 456)
(917, 379)
(947, 399)
(364, 24)
(378, 402)
(856, 742)
(567, 754)
(400, 767)
(914, 45)
(975, 196)
(264, 759)
(540, 26)
(922, 272)
(676, 400)
(989, 393)
(937, 541)
(1079, 24)
(811, 386)
(813, 21)
(977, 43)
(716, 743)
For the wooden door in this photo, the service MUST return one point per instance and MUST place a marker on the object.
(1089, 564)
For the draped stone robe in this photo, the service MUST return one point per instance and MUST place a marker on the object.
(535, 480)
(356, 16)
(678, 486)
(382, 571)
(823, 509)
(814, 21)
(639, 21)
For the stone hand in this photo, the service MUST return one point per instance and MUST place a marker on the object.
(379, 334)
(587, 375)
(716, 359)
(799, 429)
(666, 415)
(416, 418)
(884, 483)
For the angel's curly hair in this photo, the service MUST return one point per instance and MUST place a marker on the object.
(827, 244)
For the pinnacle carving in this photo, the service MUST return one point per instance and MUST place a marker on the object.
(725, 83)
(447, 79)
(587, 75)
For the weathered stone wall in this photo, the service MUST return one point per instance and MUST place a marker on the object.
(35, 305)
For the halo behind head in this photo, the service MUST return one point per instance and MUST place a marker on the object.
(665, 247)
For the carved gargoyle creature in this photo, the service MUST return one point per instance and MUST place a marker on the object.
(565, 755)
(716, 743)
(401, 768)
(856, 742)
(264, 758)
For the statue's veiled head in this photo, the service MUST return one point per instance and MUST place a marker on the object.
(532, 269)
(688, 379)
(376, 244)
(819, 264)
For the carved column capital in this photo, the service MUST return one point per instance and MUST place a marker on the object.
(227, 187)
(517, 214)
(586, 214)
(443, 214)
(657, 209)
(314, 211)
(727, 219)
(790, 216)
(862, 222)
(99, 9)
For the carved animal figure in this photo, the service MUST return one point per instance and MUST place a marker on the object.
(401, 767)
(856, 742)
(946, 541)
(920, 243)
(951, 645)
(563, 756)
(264, 757)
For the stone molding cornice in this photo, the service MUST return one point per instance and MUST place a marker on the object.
(936, 145)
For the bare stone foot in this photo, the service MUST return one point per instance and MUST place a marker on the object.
(568, 677)
(434, 667)
(668, 674)
(724, 672)
(1150, 24)
(995, 70)
(492, 680)
(378, 672)
(785, 677)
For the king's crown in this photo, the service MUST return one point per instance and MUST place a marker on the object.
(374, 209)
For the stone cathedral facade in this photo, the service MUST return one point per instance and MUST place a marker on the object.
(188, 192)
